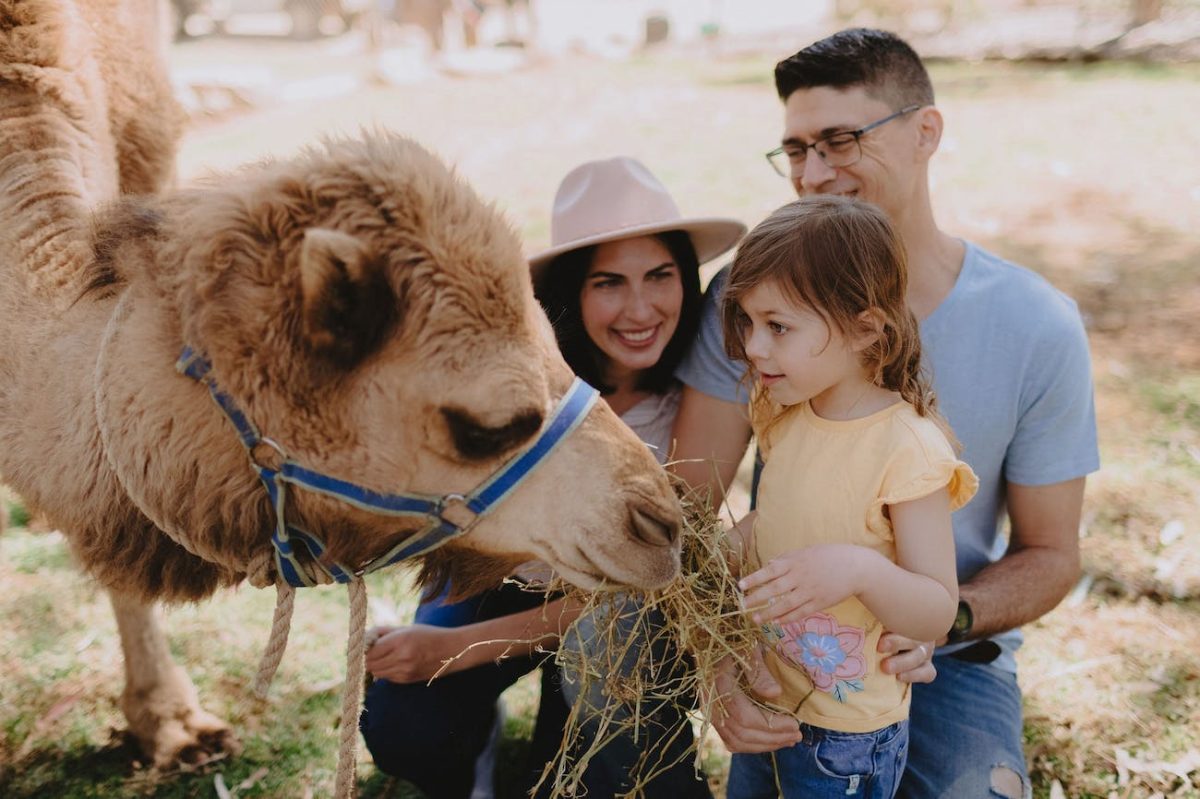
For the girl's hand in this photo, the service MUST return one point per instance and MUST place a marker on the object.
(805, 581)
(415, 653)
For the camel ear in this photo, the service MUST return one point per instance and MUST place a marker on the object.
(347, 305)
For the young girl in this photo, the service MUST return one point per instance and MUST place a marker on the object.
(852, 529)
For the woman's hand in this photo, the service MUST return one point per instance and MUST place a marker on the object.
(415, 653)
(743, 725)
(804, 581)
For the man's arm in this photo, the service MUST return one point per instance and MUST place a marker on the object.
(710, 435)
(1052, 450)
(712, 428)
(1041, 564)
(1037, 571)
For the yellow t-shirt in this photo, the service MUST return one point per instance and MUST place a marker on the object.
(828, 482)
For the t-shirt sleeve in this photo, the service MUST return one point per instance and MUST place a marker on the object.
(921, 462)
(706, 367)
(1055, 437)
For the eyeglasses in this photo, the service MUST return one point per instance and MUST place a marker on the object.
(835, 150)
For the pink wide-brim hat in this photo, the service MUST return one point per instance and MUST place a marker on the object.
(618, 198)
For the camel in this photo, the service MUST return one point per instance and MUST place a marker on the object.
(357, 304)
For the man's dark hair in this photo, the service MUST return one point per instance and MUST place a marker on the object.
(561, 284)
(879, 61)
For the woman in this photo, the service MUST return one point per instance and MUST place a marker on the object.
(621, 285)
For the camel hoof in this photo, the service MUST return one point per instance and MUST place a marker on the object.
(193, 741)
(209, 746)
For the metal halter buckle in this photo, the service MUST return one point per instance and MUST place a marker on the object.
(266, 454)
(453, 509)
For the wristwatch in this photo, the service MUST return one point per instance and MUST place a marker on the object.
(964, 620)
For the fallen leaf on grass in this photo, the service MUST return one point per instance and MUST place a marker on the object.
(1080, 591)
(252, 780)
(198, 766)
(1171, 532)
(223, 791)
(323, 687)
(56, 711)
(1062, 671)
(1181, 768)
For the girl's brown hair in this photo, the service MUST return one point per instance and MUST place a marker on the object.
(840, 257)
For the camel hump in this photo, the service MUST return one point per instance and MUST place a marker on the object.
(86, 114)
(36, 33)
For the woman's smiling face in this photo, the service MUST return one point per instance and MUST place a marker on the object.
(631, 301)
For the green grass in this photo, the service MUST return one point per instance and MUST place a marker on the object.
(60, 647)
(17, 515)
(1084, 174)
(1177, 400)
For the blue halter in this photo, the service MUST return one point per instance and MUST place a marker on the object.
(280, 470)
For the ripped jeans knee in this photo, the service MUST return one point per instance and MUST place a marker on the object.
(1008, 783)
(966, 736)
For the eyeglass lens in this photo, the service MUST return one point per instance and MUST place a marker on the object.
(836, 151)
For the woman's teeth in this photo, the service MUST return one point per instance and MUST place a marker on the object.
(636, 336)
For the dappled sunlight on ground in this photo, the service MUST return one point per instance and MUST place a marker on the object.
(1085, 175)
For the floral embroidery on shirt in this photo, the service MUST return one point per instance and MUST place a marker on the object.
(830, 653)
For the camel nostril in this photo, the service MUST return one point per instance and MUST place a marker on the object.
(653, 531)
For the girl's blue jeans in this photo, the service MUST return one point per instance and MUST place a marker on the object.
(827, 764)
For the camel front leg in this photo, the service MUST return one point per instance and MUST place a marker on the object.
(159, 700)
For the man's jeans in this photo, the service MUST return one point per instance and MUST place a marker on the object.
(827, 764)
(966, 735)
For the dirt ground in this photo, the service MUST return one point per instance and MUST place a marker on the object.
(1088, 175)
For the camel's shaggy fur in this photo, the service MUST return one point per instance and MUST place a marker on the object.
(360, 303)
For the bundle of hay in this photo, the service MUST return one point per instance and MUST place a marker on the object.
(662, 648)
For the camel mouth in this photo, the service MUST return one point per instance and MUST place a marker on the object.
(616, 575)
(591, 568)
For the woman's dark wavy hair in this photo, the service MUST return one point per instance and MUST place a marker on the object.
(560, 286)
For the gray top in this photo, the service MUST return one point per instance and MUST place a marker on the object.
(652, 420)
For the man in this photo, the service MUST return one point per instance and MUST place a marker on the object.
(1010, 365)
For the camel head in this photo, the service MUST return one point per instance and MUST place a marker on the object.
(368, 312)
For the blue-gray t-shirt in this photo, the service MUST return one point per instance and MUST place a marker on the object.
(1010, 365)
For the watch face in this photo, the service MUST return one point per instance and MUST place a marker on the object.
(962, 619)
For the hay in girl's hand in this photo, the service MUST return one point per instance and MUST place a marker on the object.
(631, 656)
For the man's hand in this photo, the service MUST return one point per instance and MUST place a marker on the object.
(910, 661)
(415, 653)
(743, 725)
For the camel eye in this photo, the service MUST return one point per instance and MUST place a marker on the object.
(476, 441)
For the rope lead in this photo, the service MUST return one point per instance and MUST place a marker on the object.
(352, 686)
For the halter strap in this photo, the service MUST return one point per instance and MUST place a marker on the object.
(570, 411)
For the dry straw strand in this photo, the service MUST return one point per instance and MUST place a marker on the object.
(698, 620)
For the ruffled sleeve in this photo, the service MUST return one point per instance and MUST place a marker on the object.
(923, 462)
